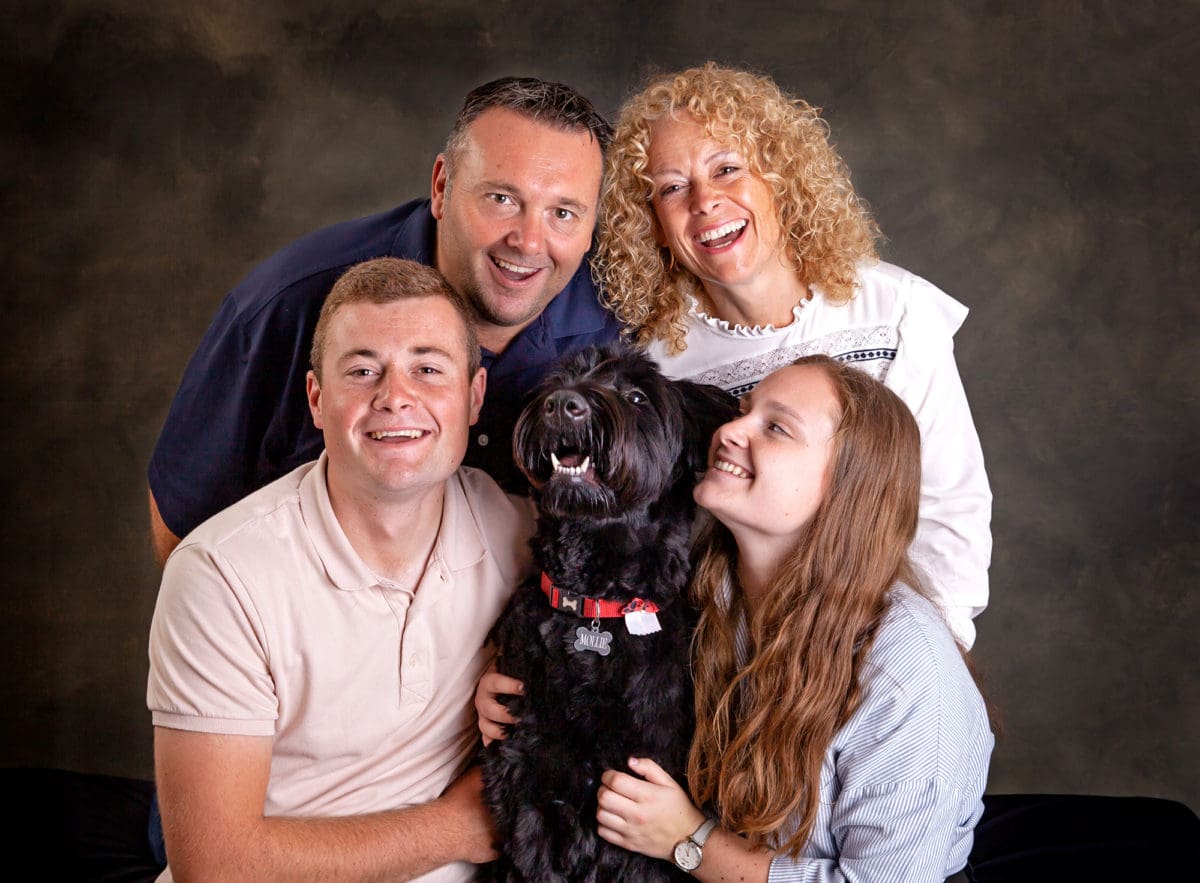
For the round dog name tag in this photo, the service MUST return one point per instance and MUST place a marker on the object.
(594, 641)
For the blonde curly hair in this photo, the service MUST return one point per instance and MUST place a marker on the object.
(828, 229)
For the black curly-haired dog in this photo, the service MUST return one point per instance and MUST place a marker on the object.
(612, 449)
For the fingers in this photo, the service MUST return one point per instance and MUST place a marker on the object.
(491, 731)
(614, 814)
(493, 715)
(651, 771)
(498, 683)
(621, 784)
(493, 721)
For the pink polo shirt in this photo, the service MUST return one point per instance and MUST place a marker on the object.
(269, 624)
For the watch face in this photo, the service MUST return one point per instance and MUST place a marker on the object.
(687, 855)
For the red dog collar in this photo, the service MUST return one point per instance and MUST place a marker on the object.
(592, 608)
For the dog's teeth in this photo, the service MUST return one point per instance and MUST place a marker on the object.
(570, 470)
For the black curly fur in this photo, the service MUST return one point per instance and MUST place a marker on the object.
(619, 531)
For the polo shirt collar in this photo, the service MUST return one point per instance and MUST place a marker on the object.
(459, 542)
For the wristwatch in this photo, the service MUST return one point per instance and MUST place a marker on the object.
(689, 853)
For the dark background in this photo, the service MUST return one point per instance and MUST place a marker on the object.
(1036, 160)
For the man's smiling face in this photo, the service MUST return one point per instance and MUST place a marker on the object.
(516, 207)
(395, 397)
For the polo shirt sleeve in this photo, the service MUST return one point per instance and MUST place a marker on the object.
(240, 417)
(209, 668)
(953, 545)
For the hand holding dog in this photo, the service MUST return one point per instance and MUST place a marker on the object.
(494, 717)
(648, 812)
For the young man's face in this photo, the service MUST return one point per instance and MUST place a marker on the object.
(395, 398)
(515, 212)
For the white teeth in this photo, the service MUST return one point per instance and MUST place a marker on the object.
(515, 268)
(732, 468)
(723, 230)
(569, 470)
(399, 433)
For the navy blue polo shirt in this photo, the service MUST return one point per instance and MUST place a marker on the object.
(240, 418)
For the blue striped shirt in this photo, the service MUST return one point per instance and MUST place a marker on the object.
(902, 782)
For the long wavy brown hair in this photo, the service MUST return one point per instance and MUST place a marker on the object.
(829, 230)
(762, 728)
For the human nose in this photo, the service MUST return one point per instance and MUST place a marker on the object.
(393, 392)
(733, 433)
(526, 234)
(705, 197)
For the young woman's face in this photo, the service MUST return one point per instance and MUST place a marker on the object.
(768, 470)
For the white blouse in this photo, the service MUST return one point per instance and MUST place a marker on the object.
(899, 328)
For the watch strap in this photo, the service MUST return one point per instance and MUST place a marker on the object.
(701, 834)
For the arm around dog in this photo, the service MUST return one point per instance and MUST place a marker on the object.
(212, 789)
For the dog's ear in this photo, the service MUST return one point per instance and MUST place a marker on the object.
(705, 407)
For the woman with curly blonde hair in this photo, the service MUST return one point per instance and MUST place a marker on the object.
(839, 733)
(732, 242)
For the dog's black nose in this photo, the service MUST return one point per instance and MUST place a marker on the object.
(567, 404)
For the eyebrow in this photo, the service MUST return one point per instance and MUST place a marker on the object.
(365, 353)
(774, 406)
(581, 208)
(780, 408)
(720, 153)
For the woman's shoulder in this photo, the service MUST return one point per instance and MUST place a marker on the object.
(914, 650)
(893, 293)
(918, 697)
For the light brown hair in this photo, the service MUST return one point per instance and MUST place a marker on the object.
(763, 728)
(385, 280)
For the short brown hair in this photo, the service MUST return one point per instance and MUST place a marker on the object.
(552, 104)
(383, 281)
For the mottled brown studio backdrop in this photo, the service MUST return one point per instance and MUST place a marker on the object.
(1037, 160)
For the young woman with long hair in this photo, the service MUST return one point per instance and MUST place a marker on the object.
(839, 732)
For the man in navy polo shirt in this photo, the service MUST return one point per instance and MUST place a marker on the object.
(508, 223)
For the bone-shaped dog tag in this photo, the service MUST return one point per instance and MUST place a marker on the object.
(593, 640)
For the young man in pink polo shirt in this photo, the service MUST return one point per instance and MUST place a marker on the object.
(315, 646)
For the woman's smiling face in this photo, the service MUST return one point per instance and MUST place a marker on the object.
(715, 215)
(769, 468)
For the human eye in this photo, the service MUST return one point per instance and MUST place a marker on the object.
(779, 429)
(669, 190)
(361, 371)
(726, 169)
(564, 214)
(501, 199)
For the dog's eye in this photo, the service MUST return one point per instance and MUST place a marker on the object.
(636, 397)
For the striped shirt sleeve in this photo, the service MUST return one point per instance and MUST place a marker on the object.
(902, 782)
